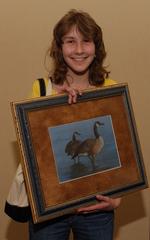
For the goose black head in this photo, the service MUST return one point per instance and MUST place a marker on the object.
(97, 123)
(76, 133)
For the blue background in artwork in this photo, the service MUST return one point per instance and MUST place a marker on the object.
(67, 169)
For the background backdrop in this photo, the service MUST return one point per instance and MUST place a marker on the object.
(25, 34)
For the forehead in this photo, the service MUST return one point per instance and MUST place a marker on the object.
(73, 32)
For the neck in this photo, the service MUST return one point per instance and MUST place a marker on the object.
(79, 81)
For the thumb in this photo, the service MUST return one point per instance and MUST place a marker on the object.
(102, 198)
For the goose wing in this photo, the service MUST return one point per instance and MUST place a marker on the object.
(84, 147)
(71, 147)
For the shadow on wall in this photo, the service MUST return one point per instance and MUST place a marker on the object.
(16, 153)
(17, 231)
(131, 209)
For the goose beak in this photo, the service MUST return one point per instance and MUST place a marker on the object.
(100, 123)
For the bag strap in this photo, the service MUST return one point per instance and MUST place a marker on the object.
(42, 87)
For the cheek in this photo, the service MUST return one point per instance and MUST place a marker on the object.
(65, 51)
(92, 50)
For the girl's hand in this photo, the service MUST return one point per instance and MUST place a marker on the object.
(105, 204)
(72, 93)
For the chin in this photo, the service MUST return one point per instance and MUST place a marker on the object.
(79, 71)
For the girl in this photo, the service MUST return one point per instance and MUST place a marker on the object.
(78, 54)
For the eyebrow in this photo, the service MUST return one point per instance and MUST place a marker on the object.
(68, 37)
(73, 38)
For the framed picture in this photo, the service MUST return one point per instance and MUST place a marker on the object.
(70, 153)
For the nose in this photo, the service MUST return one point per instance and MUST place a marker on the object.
(79, 47)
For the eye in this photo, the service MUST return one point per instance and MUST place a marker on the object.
(69, 41)
(86, 40)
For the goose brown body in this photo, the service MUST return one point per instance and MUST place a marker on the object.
(91, 146)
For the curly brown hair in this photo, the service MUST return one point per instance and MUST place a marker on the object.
(90, 30)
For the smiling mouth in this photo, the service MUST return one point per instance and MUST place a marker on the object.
(79, 58)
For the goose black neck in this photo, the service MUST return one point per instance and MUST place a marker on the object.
(96, 131)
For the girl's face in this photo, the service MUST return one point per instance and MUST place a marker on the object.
(77, 51)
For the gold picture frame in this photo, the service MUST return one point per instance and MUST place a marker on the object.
(59, 181)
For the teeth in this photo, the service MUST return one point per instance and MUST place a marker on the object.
(79, 59)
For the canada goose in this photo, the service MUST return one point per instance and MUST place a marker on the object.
(91, 146)
(72, 146)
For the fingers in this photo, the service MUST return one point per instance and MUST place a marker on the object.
(102, 198)
(113, 202)
(66, 88)
(72, 94)
(93, 208)
(105, 203)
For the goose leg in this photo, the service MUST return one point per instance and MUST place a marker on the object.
(93, 162)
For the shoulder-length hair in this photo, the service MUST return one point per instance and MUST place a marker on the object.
(90, 30)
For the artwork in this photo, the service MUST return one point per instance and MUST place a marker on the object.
(70, 153)
(84, 148)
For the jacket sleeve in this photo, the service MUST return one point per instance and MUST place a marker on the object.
(35, 89)
(17, 205)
